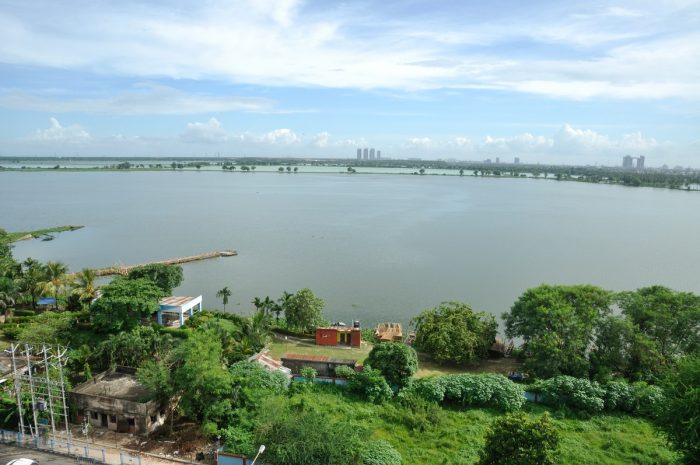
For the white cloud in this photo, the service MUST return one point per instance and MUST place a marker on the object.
(628, 51)
(419, 142)
(322, 139)
(210, 132)
(58, 133)
(281, 136)
(145, 98)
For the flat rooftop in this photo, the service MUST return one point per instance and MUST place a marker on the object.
(318, 358)
(117, 385)
(176, 301)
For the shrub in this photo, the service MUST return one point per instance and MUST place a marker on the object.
(371, 385)
(308, 373)
(618, 396)
(516, 440)
(397, 361)
(416, 413)
(344, 371)
(647, 399)
(483, 390)
(380, 453)
(24, 312)
(12, 331)
(575, 393)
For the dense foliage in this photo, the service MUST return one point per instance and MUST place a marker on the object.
(303, 311)
(380, 453)
(467, 390)
(515, 440)
(369, 384)
(398, 362)
(679, 416)
(557, 324)
(124, 303)
(453, 333)
(166, 277)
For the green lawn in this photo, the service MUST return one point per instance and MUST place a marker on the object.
(281, 347)
(458, 437)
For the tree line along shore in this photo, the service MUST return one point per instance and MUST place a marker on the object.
(604, 386)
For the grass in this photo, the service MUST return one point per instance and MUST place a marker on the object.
(459, 435)
(428, 367)
(293, 346)
(15, 236)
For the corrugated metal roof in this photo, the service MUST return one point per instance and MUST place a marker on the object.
(310, 358)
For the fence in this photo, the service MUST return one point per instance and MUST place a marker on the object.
(84, 454)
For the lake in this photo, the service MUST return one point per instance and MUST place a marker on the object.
(376, 247)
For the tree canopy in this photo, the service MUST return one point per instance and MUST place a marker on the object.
(557, 324)
(303, 310)
(679, 416)
(398, 362)
(166, 277)
(124, 303)
(453, 333)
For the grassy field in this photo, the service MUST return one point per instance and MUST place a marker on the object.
(458, 437)
(426, 366)
(293, 346)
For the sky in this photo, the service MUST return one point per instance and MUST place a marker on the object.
(548, 82)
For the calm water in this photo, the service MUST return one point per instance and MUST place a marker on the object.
(375, 247)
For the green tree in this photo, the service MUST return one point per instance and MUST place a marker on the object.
(303, 310)
(124, 303)
(224, 294)
(453, 333)
(557, 325)
(85, 286)
(679, 416)
(398, 362)
(370, 385)
(515, 440)
(669, 319)
(31, 277)
(166, 277)
(133, 348)
(55, 280)
(49, 328)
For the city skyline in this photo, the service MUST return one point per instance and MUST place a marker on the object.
(553, 83)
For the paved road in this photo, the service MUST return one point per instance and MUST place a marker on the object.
(8, 453)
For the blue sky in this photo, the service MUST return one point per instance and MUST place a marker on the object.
(550, 82)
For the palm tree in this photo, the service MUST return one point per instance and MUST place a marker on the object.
(85, 287)
(224, 294)
(55, 273)
(32, 274)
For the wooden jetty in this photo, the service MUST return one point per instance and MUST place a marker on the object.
(125, 269)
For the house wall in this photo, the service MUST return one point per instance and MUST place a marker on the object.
(322, 368)
(326, 337)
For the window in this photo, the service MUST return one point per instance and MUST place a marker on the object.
(93, 415)
(153, 418)
(131, 421)
(112, 418)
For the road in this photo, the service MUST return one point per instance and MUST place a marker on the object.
(8, 453)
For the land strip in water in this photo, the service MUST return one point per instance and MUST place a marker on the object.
(45, 234)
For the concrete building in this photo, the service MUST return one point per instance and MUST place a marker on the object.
(627, 162)
(115, 400)
(267, 361)
(359, 154)
(640, 162)
(379, 154)
(339, 335)
(174, 311)
(371, 154)
(516, 161)
(365, 154)
(324, 366)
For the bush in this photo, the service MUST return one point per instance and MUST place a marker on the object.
(647, 399)
(344, 371)
(371, 385)
(483, 390)
(12, 331)
(414, 412)
(618, 396)
(380, 453)
(575, 393)
(308, 373)
(516, 440)
(397, 361)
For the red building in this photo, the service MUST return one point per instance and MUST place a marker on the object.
(338, 336)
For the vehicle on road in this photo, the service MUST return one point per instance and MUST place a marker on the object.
(22, 462)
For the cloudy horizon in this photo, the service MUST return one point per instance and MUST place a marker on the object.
(547, 82)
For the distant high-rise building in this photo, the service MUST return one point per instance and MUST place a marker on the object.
(365, 154)
(627, 162)
(498, 160)
(640, 162)
(359, 154)
(371, 154)
(516, 161)
(379, 154)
